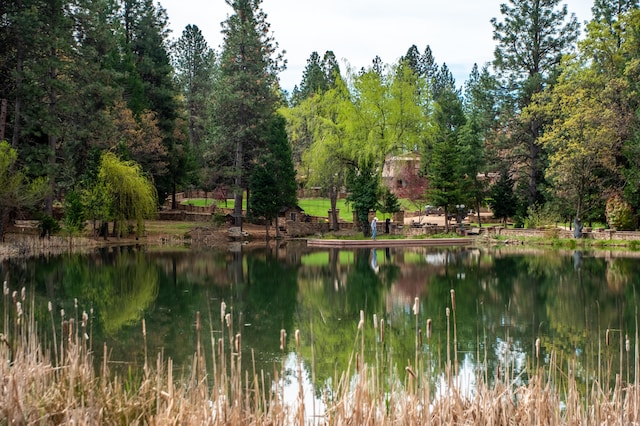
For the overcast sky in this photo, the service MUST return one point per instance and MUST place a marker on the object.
(459, 32)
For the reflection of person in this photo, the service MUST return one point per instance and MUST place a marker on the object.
(374, 260)
(387, 223)
(374, 228)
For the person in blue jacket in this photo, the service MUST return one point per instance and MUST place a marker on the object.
(374, 228)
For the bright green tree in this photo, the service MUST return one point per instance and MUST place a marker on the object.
(316, 129)
(129, 194)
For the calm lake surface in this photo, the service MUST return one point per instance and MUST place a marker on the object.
(575, 302)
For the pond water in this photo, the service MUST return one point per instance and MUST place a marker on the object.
(581, 305)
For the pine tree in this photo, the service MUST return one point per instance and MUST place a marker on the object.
(531, 41)
(502, 198)
(195, 64)
(272, 182)
(246, 95)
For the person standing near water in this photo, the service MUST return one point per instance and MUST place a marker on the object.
(374, 228)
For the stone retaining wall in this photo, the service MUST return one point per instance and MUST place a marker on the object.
(600, 234)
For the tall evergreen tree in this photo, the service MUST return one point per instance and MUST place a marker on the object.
(480, 107)
(150, 84)
(246, 95)
(531, 40)
(313, 77)
(273, 179)
(445, 173)
(194, 63)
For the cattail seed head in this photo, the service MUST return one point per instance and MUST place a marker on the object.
(298, 338)
(14, 296)
(75, 302)
(5, 288)
(283, 339)
(453, 299)
(144, 328)
(606, 339)
(538, 347)
(23, 293)
(238, 342)
(375, 321)
(220, 346)
(223, 309)
(447, 311)
(198, 321)
(627, 343)
(49, 306)
(416, 306)
(62, 313)
(361, 323)
(19, 309)
(227, 319)
(429, 329)
(85, 318)
(86, 336)
(410, 371)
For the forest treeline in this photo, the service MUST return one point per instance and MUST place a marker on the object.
(103, 113)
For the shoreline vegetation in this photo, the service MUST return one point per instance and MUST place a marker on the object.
(48, 376)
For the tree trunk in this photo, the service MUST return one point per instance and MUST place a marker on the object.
(237, 195)
(333, 198)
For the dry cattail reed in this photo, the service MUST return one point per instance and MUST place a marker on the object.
(429, 326)
(238, 344)
(298, 338)
(538, 348)
(416, 306)
(361, 323)
(283, 339)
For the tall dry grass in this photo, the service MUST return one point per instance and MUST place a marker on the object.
(57, 382)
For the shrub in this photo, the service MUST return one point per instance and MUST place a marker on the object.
(619, 214)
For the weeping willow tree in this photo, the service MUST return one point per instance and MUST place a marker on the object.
(127, 193)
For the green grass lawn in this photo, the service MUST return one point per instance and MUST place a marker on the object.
(311, 206)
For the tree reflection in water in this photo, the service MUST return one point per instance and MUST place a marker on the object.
(505, 300)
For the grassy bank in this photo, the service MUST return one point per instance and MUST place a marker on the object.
(49, 377)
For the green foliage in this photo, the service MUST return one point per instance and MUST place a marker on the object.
(48, 225)
(390, 202)
(363, 189)
(17, 192)
(502, 199)
(74, 212)
(246, 99)
(540, 216)
(128, 193)
(620, 214)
